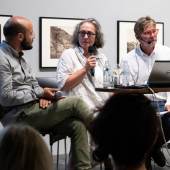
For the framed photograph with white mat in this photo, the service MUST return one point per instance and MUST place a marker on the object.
(3, 19)
(55, 37)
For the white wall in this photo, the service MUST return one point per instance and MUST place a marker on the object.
(107, 12)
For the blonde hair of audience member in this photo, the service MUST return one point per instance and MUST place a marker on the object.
(22, 148)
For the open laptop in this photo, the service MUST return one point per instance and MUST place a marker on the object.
(160, 74)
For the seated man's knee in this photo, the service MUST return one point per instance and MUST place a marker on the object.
(79, 106)
(77, 101)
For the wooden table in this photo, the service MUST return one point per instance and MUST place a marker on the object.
(143, 90)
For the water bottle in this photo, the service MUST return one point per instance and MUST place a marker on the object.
(116, 75)
(125, 73)
(106, 75)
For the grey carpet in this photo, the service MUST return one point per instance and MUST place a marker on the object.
(155, 167)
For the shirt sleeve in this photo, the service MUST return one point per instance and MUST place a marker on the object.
(65, 67)
(16, 92)
(39, 91)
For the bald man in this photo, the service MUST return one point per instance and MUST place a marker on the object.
(24, 101)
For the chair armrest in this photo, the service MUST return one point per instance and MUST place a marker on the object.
(47, 82)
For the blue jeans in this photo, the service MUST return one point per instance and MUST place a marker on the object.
(165, 119)
(166, 125)
(159, 105)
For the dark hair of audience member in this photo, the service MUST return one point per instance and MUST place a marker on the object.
(22, 148)
(126, 128)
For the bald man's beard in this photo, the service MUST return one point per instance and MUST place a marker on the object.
(26, 45)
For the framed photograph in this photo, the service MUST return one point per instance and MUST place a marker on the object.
(3, 19)
(126, 40)
(55, 37)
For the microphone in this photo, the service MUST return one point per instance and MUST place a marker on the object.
(91, 51)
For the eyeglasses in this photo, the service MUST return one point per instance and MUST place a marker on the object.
(150, 32)
(88, 33)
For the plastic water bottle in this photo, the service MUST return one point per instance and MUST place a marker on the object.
(125, 73)
(106, 75)
(116, 75)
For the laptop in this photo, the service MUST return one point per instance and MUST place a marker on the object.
(160, 74)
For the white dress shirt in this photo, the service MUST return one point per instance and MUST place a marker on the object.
(140, 66)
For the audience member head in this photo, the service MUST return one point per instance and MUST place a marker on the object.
(126, 129)
(18, 32)
(88, 30)
(22, 148)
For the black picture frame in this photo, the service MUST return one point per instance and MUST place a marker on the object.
(126, 40)
(3, 19)
(55, 36)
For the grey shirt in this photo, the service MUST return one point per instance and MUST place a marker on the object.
(17, 83)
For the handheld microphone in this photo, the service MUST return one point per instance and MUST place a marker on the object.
(91, 51)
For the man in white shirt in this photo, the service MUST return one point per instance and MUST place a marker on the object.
(140, 62)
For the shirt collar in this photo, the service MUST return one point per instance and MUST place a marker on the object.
(82, 51)
(10, 49)
(141, 53)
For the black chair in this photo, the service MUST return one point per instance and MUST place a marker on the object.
(47, 82)
(53, 136)
(51, 82)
